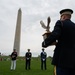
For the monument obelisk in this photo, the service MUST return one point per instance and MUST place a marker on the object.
(18, 32)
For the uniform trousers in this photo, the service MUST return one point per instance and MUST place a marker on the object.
(27, 64)
(43, 64)
(13, 64)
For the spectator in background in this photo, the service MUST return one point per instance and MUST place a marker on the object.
(0, 53)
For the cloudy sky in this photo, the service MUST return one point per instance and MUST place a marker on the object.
(31, 31)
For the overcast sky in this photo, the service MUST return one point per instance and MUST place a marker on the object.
(31, 31)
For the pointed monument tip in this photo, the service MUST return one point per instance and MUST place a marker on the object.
(19, 9)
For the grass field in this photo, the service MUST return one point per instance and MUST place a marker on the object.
(20, 69)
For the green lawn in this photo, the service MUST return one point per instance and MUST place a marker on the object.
(20, 69)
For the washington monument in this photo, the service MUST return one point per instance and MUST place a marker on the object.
(18, 33)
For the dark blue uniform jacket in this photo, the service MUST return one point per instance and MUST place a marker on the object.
(64, 53)
(28, 55)
(43, 55)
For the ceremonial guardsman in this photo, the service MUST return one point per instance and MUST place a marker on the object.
(43, 60)
(64, 53)
(28, 59)
(13, 59)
